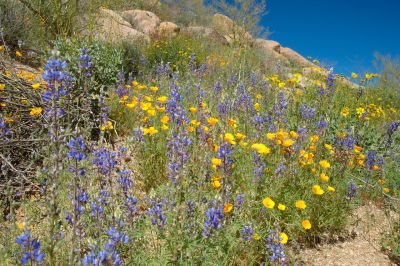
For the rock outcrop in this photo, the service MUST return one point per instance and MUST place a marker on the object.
(168, 29)
(229, 29)
(111, 27)
(285, 54)
(144, 21)
(294, 56)
(266, 47)
(139, 25)
(274, 45)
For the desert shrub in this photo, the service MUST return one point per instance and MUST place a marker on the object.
(390, 242)
(177, 52)
(107, 60)
(390, 71)
(18, 29)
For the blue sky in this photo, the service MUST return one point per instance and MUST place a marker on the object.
(342, 33)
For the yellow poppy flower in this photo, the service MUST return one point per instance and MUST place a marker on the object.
(35, 111)
(229, 138)
(268, 203)
(281, 207)
(228, 207)
(151, 112)
(240, 136)
(256, 237)
(215, 162)
(306, 224)
(283, 238)
(345, 111)
(317, 190)
(293, 134)
(165, 119)
(331, 189)
(162, 99)
(107, 126)
(35, 86)
(149, 131)
(287, 142)
(271, 136)
(324, 177)
(324, 164)
(154, 89)
(300, 204)
(212, 121)
(260, 148)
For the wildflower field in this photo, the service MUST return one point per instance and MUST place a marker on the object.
(187, 152)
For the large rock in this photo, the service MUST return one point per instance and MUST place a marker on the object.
(295, 57)
(205, 32)
(265, 45)
(168, 29)
(143, 21)
(111, 27)
(276, 46)
(229, 29)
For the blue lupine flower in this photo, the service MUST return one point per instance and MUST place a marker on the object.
(390, 131)
(130, 204)
(259, 166)
(281, 167)
(224, 153)
(30, 248)
(115, 237)
(178, 154)
(321, 124)
(307, 112)
(124, 179)
(105, 160)
(224, 107)
(239, 200)
(54, 71)
(56, 78)
(351, 190)
(281, 105)
(330, 82)
(217, 87)
(346, 143)
(373, 159)
(156, 213)
(247, 233)
(95, 258)
(174, 108)
(243, 100)
(276, 249)
(76, 149)
(214, 217)
(4, 131)
(393, 127)
(85, 63)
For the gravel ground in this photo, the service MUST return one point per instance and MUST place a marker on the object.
(369, 224)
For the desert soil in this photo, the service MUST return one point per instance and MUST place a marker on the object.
(370, 224)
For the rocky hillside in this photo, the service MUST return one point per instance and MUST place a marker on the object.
(143, 26)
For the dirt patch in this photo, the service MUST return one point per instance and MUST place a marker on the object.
(369, 224)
